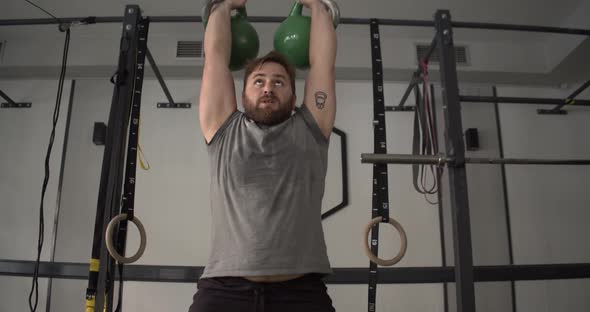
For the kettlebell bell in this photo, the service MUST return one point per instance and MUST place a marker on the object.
(245, 44)
(292, 37)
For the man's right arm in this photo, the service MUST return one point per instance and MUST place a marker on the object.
(217, 99)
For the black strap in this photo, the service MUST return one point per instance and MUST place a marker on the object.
(380, 202)
(422, 142)
(416, 139)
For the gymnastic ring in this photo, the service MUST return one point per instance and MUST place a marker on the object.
(109, 239)
(403, 247)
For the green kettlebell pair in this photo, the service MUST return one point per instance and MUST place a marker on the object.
(291, 39)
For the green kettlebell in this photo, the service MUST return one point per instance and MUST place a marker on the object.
(245, 44)
(292, 37)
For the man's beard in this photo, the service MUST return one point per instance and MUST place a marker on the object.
(267, 115)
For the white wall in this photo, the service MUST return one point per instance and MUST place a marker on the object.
(548, 204)
(24, 137)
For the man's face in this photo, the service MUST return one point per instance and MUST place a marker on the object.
(268, 98)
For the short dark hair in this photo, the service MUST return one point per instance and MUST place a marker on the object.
(271, 57)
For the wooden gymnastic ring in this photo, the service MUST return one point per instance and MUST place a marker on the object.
(403, 247)
(109, 239)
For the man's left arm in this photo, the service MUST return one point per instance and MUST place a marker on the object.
(320, 86)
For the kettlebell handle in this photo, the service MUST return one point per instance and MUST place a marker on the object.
(241, 12)
(206, 11)
(297, 9)
(334, 10)
(331, 5)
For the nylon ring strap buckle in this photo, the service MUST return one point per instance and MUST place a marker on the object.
(403, 247)
(109, 239)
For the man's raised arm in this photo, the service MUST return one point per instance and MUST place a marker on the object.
(217, 99)
(320, 86)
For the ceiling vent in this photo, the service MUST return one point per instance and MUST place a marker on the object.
(189, 49)
(461, 54)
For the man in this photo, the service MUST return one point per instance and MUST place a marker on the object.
(268, 167)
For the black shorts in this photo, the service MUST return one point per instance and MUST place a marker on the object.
(220, 294)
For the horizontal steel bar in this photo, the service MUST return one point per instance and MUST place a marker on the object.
(367, 158)
(408, 275)
(51, 21)
(279, 19)
(407, 159)
(519, 100)
(527, 161)
(528, 28)
(198, 19)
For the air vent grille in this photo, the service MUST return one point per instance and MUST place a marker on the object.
(189, 49)
(461, 54)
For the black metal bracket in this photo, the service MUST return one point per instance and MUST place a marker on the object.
(552, 111)
(416, 79)
(173, 105)
(344, 166)
(16, 105)
(12, 104)
(570, 100)
(156, 70)
(400, 108)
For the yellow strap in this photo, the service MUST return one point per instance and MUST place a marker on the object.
(141, 156)
(143, 166)
(90, 304)
(94, 264)
(570, 101)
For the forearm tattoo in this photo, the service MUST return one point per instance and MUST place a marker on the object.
(320, 99)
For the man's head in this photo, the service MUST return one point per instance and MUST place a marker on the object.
(269, 89)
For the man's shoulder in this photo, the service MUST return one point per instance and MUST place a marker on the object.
(303, 113)
(230, 122)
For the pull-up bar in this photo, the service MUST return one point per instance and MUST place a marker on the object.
(279, 19)
(442, 160)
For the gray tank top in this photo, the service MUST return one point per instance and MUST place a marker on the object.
(267, 185)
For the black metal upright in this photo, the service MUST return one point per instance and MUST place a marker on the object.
(101, 275)
(457, 175)
(380, 200)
